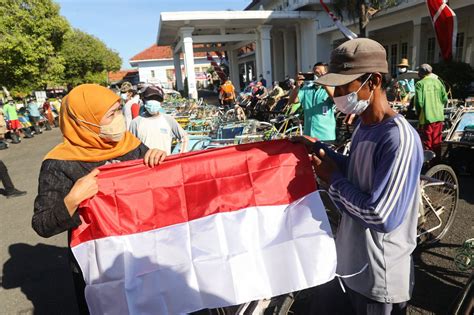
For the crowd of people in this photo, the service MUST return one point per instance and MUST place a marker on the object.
(420, 91)
(23, 118)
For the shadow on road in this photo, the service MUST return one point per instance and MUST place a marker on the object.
(466, 187)
(436, 288)
(43, 274)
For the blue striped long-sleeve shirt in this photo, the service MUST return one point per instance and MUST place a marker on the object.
(377, 191)
(378, 179)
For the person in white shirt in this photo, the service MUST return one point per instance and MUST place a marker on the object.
(131, 102)
(155, 128)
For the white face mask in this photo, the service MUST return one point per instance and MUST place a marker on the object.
(402, 70)
(350, 103)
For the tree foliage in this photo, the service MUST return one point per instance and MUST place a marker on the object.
(361, 10)
(87, 59)
(38, 48)
(457, 75)
(31, 32)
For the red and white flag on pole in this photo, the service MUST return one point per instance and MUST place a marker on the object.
(445, 25)
(347, 32)
(203, 230)
(216, 67)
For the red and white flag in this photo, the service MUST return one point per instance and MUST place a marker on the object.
(445, 25)
(216, 67)
(344, 30)
(203, 230)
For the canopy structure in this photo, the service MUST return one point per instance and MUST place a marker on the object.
(231, 30)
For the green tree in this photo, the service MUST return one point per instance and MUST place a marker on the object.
(87, 59)
(31, 33)
(361, 10)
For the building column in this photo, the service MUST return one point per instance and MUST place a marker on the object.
(266, 52)
(416, 44)
(234, 74)
(308, 44)
(323, 49)
(177, 70)
(298, 48)
(187, 38)
(278, 56)
(258, 58)
(289, 54)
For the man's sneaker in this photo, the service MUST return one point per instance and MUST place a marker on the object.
(14, 193)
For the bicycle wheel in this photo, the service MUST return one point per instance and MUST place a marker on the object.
(440, 202)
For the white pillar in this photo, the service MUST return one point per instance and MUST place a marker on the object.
(289, 53)
(266, 52)
(308, 44)
(186, 36)
(278, 56)
(298, 48)
(177, 70)
(323, 49)
(258, 58)
(234, 69)
(416, 45)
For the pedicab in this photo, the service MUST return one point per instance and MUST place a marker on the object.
(458, 145)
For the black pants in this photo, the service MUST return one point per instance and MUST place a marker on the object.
(80, 288)
(5, 178)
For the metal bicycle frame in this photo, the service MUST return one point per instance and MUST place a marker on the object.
(430, 182)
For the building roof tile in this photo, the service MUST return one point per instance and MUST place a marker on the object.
(156, 52)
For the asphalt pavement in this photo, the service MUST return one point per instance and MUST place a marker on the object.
(35, 277)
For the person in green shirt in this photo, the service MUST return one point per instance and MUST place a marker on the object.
(12, 116)
(430, 98)
(318, 106)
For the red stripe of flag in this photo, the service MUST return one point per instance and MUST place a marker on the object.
(134, 198)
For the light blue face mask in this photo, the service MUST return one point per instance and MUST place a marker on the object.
(153, 107)
(124, 96)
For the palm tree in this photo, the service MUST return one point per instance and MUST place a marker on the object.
(362, 10)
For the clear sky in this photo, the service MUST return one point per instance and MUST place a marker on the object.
(130, 26)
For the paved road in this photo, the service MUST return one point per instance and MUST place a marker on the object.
(34, 271)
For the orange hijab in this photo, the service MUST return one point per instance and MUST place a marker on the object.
(81, 142)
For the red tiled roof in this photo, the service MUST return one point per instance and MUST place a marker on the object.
(119, 75)
(155, 52)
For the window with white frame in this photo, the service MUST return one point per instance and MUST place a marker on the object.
(393, 58)
(404, 50)
(430, 53)
(459, 47)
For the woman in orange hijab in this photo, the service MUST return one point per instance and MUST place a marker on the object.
(94, 133)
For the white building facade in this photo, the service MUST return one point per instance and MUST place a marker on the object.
(278, 38)
(156, 66)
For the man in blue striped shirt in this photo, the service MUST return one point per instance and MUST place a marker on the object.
(376, 187)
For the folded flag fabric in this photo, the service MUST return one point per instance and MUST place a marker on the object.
(204, 230)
